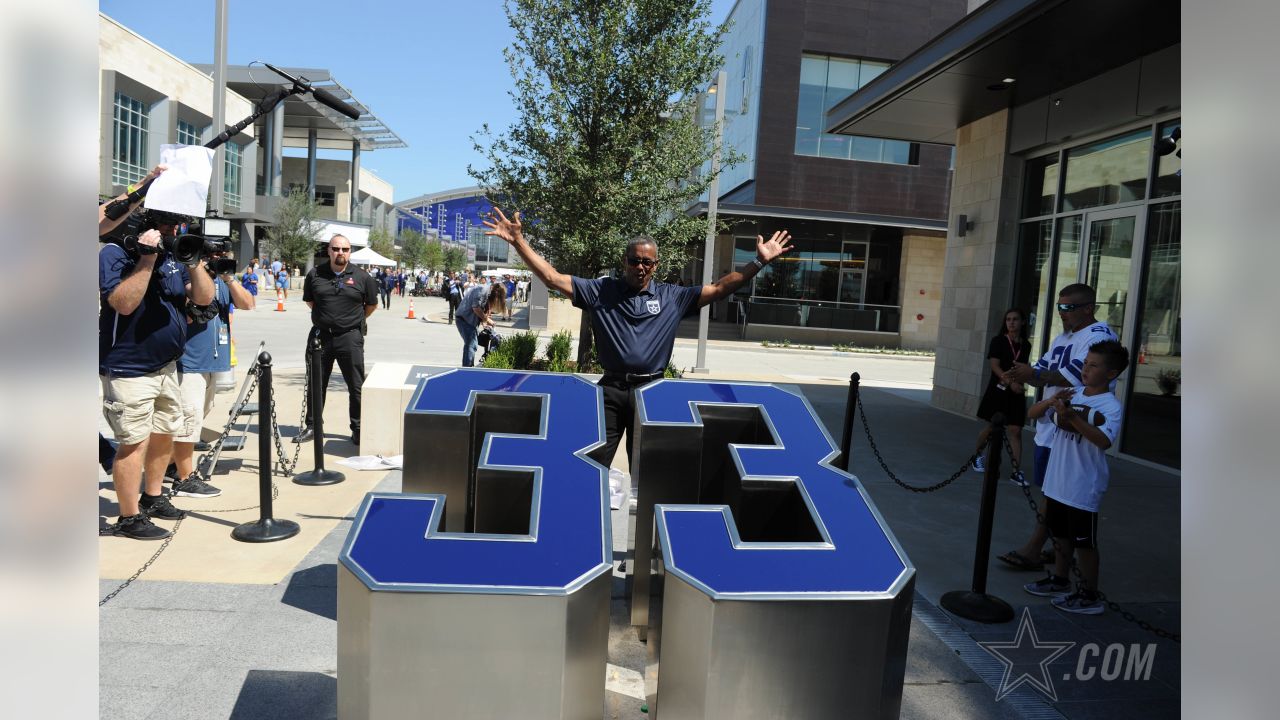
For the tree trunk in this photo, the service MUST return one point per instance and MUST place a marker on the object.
(585, 338)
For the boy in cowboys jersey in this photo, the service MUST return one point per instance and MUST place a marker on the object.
(1084, 422)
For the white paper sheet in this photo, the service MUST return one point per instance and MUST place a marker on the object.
(373, 462)
(184, 187)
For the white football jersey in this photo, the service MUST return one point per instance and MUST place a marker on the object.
(1066, 355)
(1077, 473)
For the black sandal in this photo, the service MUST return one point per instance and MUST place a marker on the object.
(1014, 558)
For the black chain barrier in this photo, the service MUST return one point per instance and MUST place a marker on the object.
(1075, 569)
(203, 470)
(862, 414)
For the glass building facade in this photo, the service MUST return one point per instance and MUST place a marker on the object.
(1108, 213)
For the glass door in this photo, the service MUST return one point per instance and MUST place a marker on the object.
(1111, 238)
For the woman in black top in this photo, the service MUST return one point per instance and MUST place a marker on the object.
(1008, 347)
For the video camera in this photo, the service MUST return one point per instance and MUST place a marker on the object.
(187, 245)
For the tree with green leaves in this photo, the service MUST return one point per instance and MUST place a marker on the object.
(601, 152)
(382, 242)
(455, 258)
(433, 256)
(413, 247)
(295, 230)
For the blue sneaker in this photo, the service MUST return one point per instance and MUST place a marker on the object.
(1017, 478)
(1054, 587)
(1079, 604)
(980, 464)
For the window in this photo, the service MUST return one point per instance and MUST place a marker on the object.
(188, 134)
(824, 82)
(232, 156)
(325, 196)
(129, 149)
(1108, 172)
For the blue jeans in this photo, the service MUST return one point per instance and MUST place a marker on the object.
(469, 343)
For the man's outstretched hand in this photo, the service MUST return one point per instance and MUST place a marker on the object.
(499, 226)
(774, 246)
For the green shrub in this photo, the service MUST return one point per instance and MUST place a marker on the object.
(499, 357)
(521, 347)
(558, 351)
(672, 371)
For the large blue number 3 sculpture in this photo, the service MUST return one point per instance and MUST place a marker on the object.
(397, 543)
(848, 550)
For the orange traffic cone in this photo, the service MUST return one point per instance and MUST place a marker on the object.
(279, 301)
(410, 316)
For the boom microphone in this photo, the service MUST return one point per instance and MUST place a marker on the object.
(320, 94)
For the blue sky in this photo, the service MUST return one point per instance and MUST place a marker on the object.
(432, 70)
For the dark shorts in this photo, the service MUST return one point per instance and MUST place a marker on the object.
(1079, 528)
(1042, 465)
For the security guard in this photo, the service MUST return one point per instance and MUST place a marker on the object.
(340, 296)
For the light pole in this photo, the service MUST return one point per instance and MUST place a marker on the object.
(713, 201)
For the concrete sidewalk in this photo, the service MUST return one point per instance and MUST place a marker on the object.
(220, 629)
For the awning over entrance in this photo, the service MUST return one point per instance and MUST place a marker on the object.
(964, 74)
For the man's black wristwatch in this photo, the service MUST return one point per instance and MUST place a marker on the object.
(758, 263)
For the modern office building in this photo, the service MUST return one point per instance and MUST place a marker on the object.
(868, 214)
(149, 98)
(1065, 116)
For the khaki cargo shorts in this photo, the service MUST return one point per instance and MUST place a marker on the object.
(198, 390)
(136, 407)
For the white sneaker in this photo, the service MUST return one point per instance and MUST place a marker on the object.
(980, 464)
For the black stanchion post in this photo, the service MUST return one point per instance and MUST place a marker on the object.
(267, 528)
(319, 476)
(846, 435)
(975, 603)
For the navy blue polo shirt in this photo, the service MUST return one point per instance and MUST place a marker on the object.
(156, 331)
(635, 330)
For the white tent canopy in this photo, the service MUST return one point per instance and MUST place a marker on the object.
(369, 256)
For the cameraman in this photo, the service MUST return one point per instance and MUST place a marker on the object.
(142, 328)
(208, 351)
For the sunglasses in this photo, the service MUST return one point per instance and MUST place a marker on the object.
(345, 249)
(634, 261)
(1068, 307)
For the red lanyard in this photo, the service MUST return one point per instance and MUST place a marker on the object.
(1016, 350)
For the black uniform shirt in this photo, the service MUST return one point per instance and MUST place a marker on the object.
(339, 297)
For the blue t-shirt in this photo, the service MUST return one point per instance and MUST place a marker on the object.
(635, 329)
(209, 344)
(154, 333)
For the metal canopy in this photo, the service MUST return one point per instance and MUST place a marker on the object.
(1044, 45)
(302, 114)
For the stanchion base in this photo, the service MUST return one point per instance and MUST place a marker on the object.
(266, 530)
(977, 606)
(319, 477)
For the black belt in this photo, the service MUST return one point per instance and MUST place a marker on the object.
(633, 378)
(332, 333)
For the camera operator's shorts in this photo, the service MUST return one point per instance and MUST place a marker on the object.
(198, 390)
(136, 407)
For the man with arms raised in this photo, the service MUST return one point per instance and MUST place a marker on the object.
(634, 319)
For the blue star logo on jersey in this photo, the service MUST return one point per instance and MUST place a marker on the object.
(653, 306)
(1026, 651)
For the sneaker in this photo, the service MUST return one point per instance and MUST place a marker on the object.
(1054, 587)
(159, 507)
(140, 527)
(1017, 478)
(195, 487)
(1079, 603)
(979, 464)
